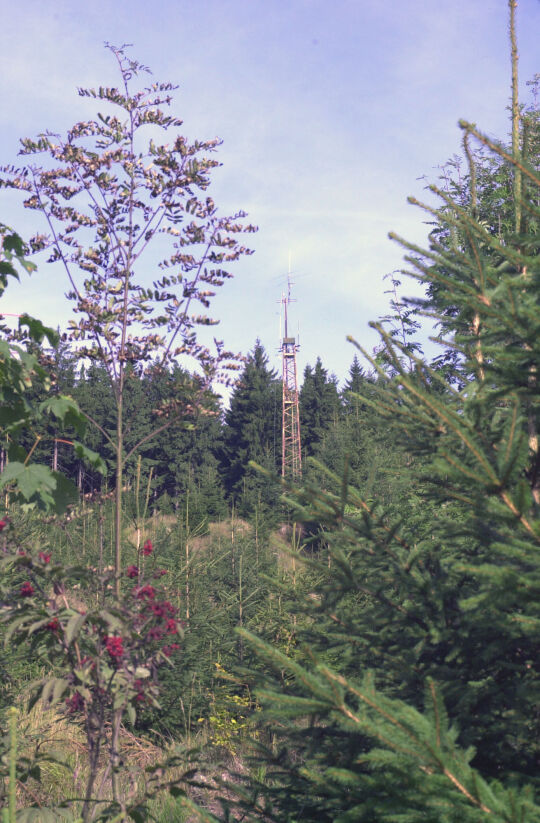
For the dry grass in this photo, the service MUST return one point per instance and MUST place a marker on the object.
(152, 525)
(223, 533)
(58, 741)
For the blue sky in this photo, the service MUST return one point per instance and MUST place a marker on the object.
(331, 112)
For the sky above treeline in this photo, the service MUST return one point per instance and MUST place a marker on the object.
(331, 113)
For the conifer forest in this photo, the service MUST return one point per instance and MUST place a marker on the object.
(189, 633)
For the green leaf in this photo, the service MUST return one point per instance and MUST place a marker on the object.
(65, 494)
(37, 330)
(30, 480)
(13, 627)
(112, 620)
(119, 701)
(7, 268)
(16, 453)
(60, 686)
(36, 483)
(53, 690)
(13, 416)
(64, 408)
(89, 456)
(12, 242)
(73, 627)
(39, 624)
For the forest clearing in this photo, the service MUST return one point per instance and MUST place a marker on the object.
(313, 600)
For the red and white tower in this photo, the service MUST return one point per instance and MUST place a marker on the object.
(291, 450)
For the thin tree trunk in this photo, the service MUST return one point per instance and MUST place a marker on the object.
(118, 490)
(187, 547)
(512, 4)
(232, 542)
(115, 755)
(100, 538)
(240, 609)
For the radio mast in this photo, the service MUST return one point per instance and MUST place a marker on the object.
(291, 450)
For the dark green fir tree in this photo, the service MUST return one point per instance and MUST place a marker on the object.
(252, 432)
(355, 380)
(319, 406)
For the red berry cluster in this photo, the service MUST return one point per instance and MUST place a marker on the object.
(163, 609)
(27, 589)
(115, 646)
(53, 625)
(75, 703)
(140, 697)
(145, 593)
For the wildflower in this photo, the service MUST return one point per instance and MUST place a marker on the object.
(155, 633)
(45, 557)
(26, 590)
(3, 524)
(147, 548)
(114, 646)
(160, 572)
(171, 627)
(145, 592)
(132, 571)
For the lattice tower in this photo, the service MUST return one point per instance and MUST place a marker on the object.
(291, 448)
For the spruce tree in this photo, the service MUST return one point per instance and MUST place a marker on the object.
(185, 455)
(319, 406)
(252, 432)
(355, 379)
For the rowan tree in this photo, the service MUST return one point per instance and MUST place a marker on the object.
(142, 244)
